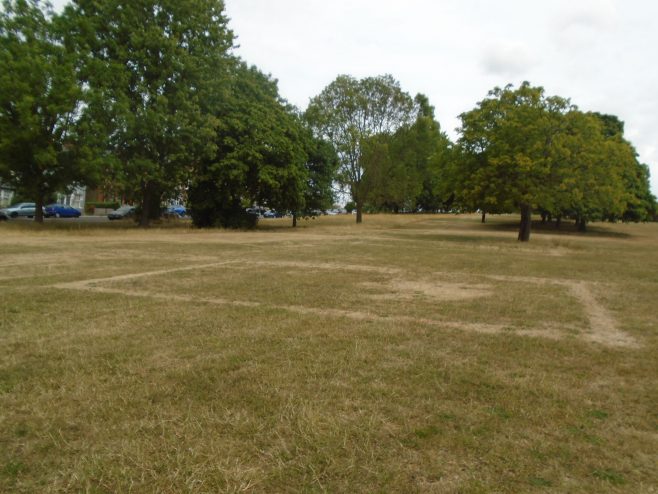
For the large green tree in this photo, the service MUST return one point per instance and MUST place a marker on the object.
(521, 150)
(40, 104)
(353, 114)
(586, 182)
(150, 66)
(506, 144)
(640, 203)
(596, 174)
(260, 154)
(405, 171)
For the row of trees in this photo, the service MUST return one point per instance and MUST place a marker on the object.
(519, 150)
(148, 97)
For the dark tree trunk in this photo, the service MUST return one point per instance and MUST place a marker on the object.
(544, 218)
(38, 208)
(558, 222)
(359, 212)
(484, 216)
(145, 216)
(582, 225)
(294, 220)
(526, 222)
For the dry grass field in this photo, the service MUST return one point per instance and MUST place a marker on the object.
(409, 354)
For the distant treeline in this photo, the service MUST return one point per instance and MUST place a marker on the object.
(148, 98)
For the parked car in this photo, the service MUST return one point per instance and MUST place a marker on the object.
(61, 211)
(122, 213)
(175, 212)
(255, 212)
(25, 209)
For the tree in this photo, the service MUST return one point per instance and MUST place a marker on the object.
(523, 150)
(411, 176)
(506, 143)
(587, 181)
(321, 166)
(150, 67)
(640, 202)
(641, 205)
(349, 113)
(40, 103)
(261, 152)
(597, 175)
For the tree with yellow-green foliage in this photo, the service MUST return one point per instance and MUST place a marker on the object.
(520, 150)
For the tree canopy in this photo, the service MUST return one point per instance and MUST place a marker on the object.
(264, 155)
(149, 65)
(405, 171)
(354, 115)
(522, 150)
(40, 104)
(148, 97)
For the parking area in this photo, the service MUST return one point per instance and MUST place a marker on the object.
(81, 219)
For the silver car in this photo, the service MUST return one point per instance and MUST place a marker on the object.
(27, 209)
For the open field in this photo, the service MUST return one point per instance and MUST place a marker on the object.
(409, 354)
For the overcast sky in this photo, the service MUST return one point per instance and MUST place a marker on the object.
(599, 53)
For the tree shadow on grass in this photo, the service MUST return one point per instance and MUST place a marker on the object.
(453, 237)
(567, 229)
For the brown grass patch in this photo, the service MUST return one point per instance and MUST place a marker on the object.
(175, 360)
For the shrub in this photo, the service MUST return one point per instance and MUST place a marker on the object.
(102, 205)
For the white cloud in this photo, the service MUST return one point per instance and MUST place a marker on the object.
(591, 14)
(508, 60)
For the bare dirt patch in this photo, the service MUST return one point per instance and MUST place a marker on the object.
(330, 266)
(603, 327)
(398, 289)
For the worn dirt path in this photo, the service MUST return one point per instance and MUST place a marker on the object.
(603, 327)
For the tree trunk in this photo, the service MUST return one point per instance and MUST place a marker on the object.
(544, 217)
(526, 222)
(359, 212)
(38, 208)
(144, 218)
(484, 216)
(582, 225)
(558, 222)
(294, 220)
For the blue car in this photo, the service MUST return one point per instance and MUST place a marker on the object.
(175, 212)
(61, 211)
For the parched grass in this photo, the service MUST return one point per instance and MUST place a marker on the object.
(409, 354)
